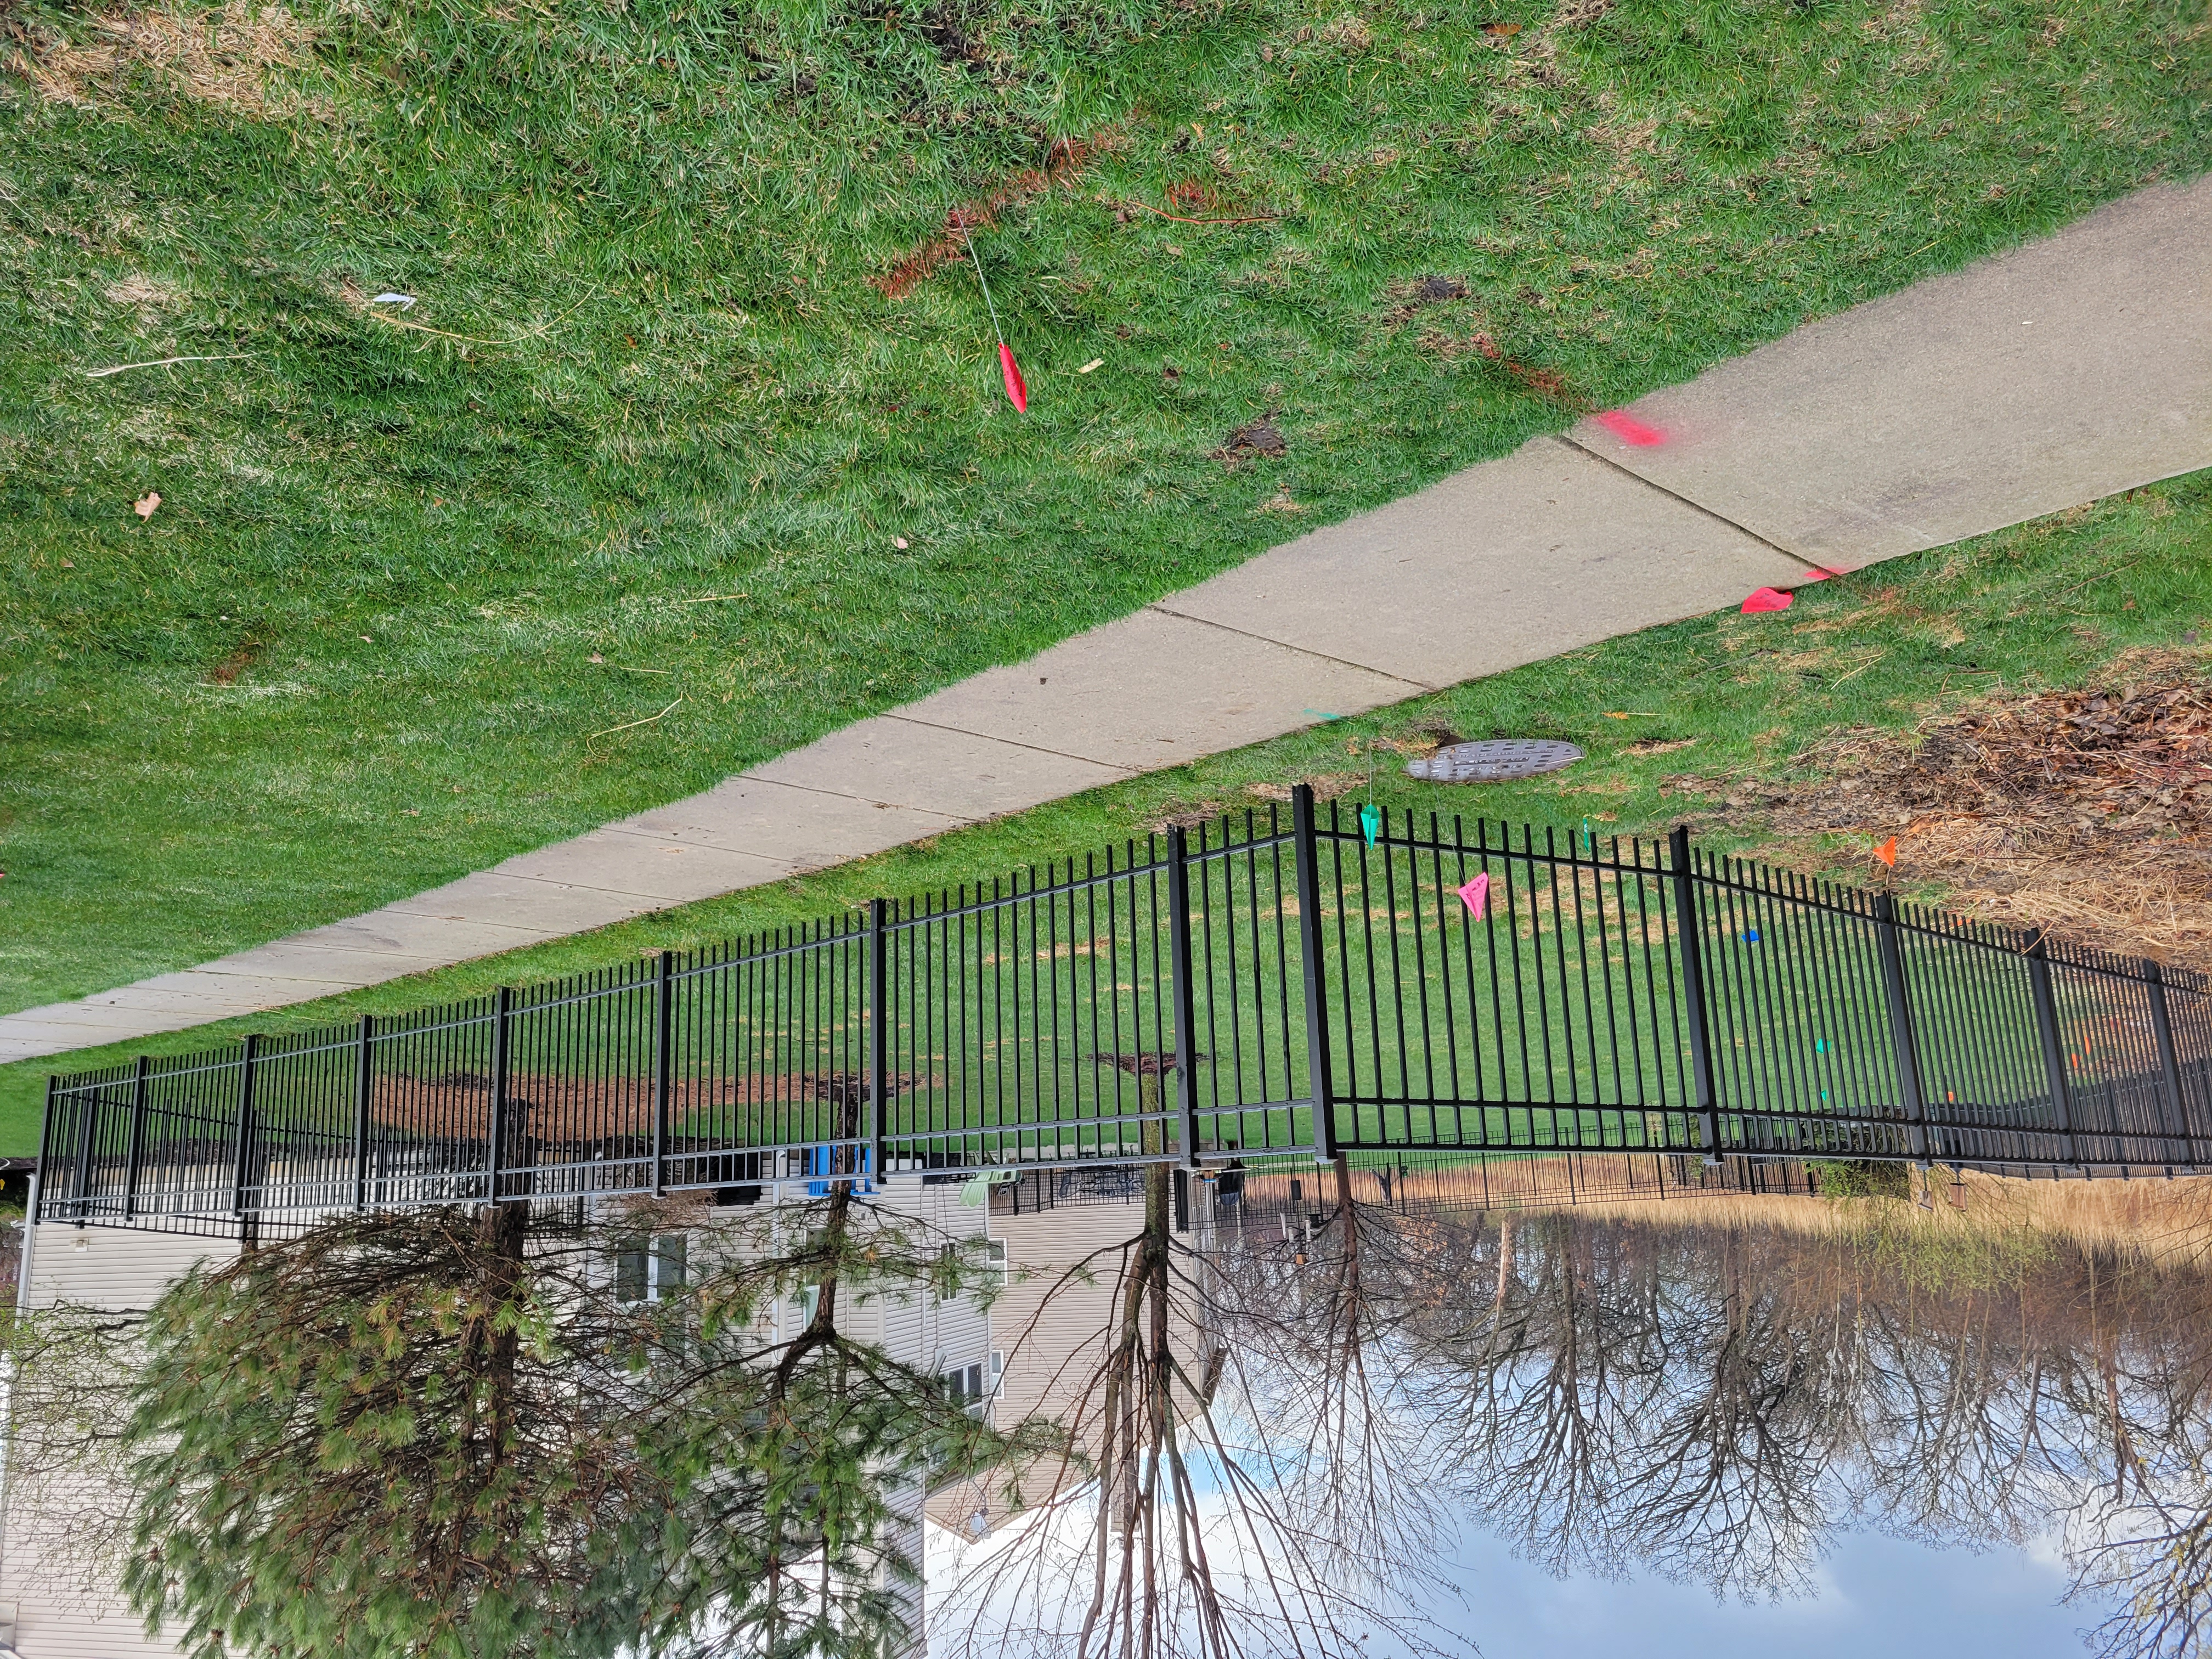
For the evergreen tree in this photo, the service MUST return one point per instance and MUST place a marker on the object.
(449, 1433)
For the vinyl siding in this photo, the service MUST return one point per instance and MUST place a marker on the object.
(118, 1269)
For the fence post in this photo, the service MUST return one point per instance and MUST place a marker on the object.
(134, 1157)
(248, 1057)
(364, 1079)
(1306, 847)
(46, 1126)
(496, 1153)
(1180, 991)
(1694, 992)
(88, 1140)
(2169, 1062)
(2054, 1054)
(879, 1035)
(664, 1062)
(1902, 1036)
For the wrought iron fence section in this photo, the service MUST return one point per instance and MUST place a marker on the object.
(1491, 992)
(1270, 984)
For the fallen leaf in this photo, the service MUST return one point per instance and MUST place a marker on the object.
(596, 657)
(900, 542)
(144, 506)
(1096, 362)
(1502, 31)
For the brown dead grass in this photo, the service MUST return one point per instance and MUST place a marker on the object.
(2166, 1223)
(221, 58)
(2087, 812)
(149, 293)
(1326, 786)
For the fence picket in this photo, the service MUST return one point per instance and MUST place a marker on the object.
(2054, 1051)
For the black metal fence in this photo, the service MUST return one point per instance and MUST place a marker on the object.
(1277, 984)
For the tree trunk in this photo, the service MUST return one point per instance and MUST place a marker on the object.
(503, 1230)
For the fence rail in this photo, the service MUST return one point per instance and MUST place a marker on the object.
(1278, 984)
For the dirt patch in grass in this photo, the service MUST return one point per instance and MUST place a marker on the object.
(1412, 297)
(1064, 164)
(1261, 438)
(2087, 811)
(221, 57)
(1450, 345)
(227, 671)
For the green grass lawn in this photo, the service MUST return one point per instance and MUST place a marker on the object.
(2043, 605)
(616, 508)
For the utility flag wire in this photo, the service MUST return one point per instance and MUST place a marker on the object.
(1017, 393)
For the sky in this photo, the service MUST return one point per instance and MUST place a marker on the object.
(1876, 1598)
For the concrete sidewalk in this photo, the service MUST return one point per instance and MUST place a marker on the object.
(2066, 370)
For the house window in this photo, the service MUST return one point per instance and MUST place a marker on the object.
(965, 1386)
(650, 1267)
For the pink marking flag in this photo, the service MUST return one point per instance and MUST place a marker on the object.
(1017, 392)
(1630, 430)
(1766, 598)
(1476, 895)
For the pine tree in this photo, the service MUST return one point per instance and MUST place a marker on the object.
(446, 1434)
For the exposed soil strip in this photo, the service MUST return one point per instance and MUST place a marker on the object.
(1064, 164)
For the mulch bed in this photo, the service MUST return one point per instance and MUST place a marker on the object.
(2087, 811)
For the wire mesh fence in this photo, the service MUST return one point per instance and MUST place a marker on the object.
(1281, 984)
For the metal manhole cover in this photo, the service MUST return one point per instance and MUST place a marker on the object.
(1494, 761)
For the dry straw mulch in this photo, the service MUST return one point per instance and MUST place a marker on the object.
(2087, 812)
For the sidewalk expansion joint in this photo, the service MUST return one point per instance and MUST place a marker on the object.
(1694, 505)
(953, 820)
(1014, 743)
(1318, 656)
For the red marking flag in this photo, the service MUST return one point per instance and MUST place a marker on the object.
(1475, 895)
(1017, 393)
(1766, 598)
